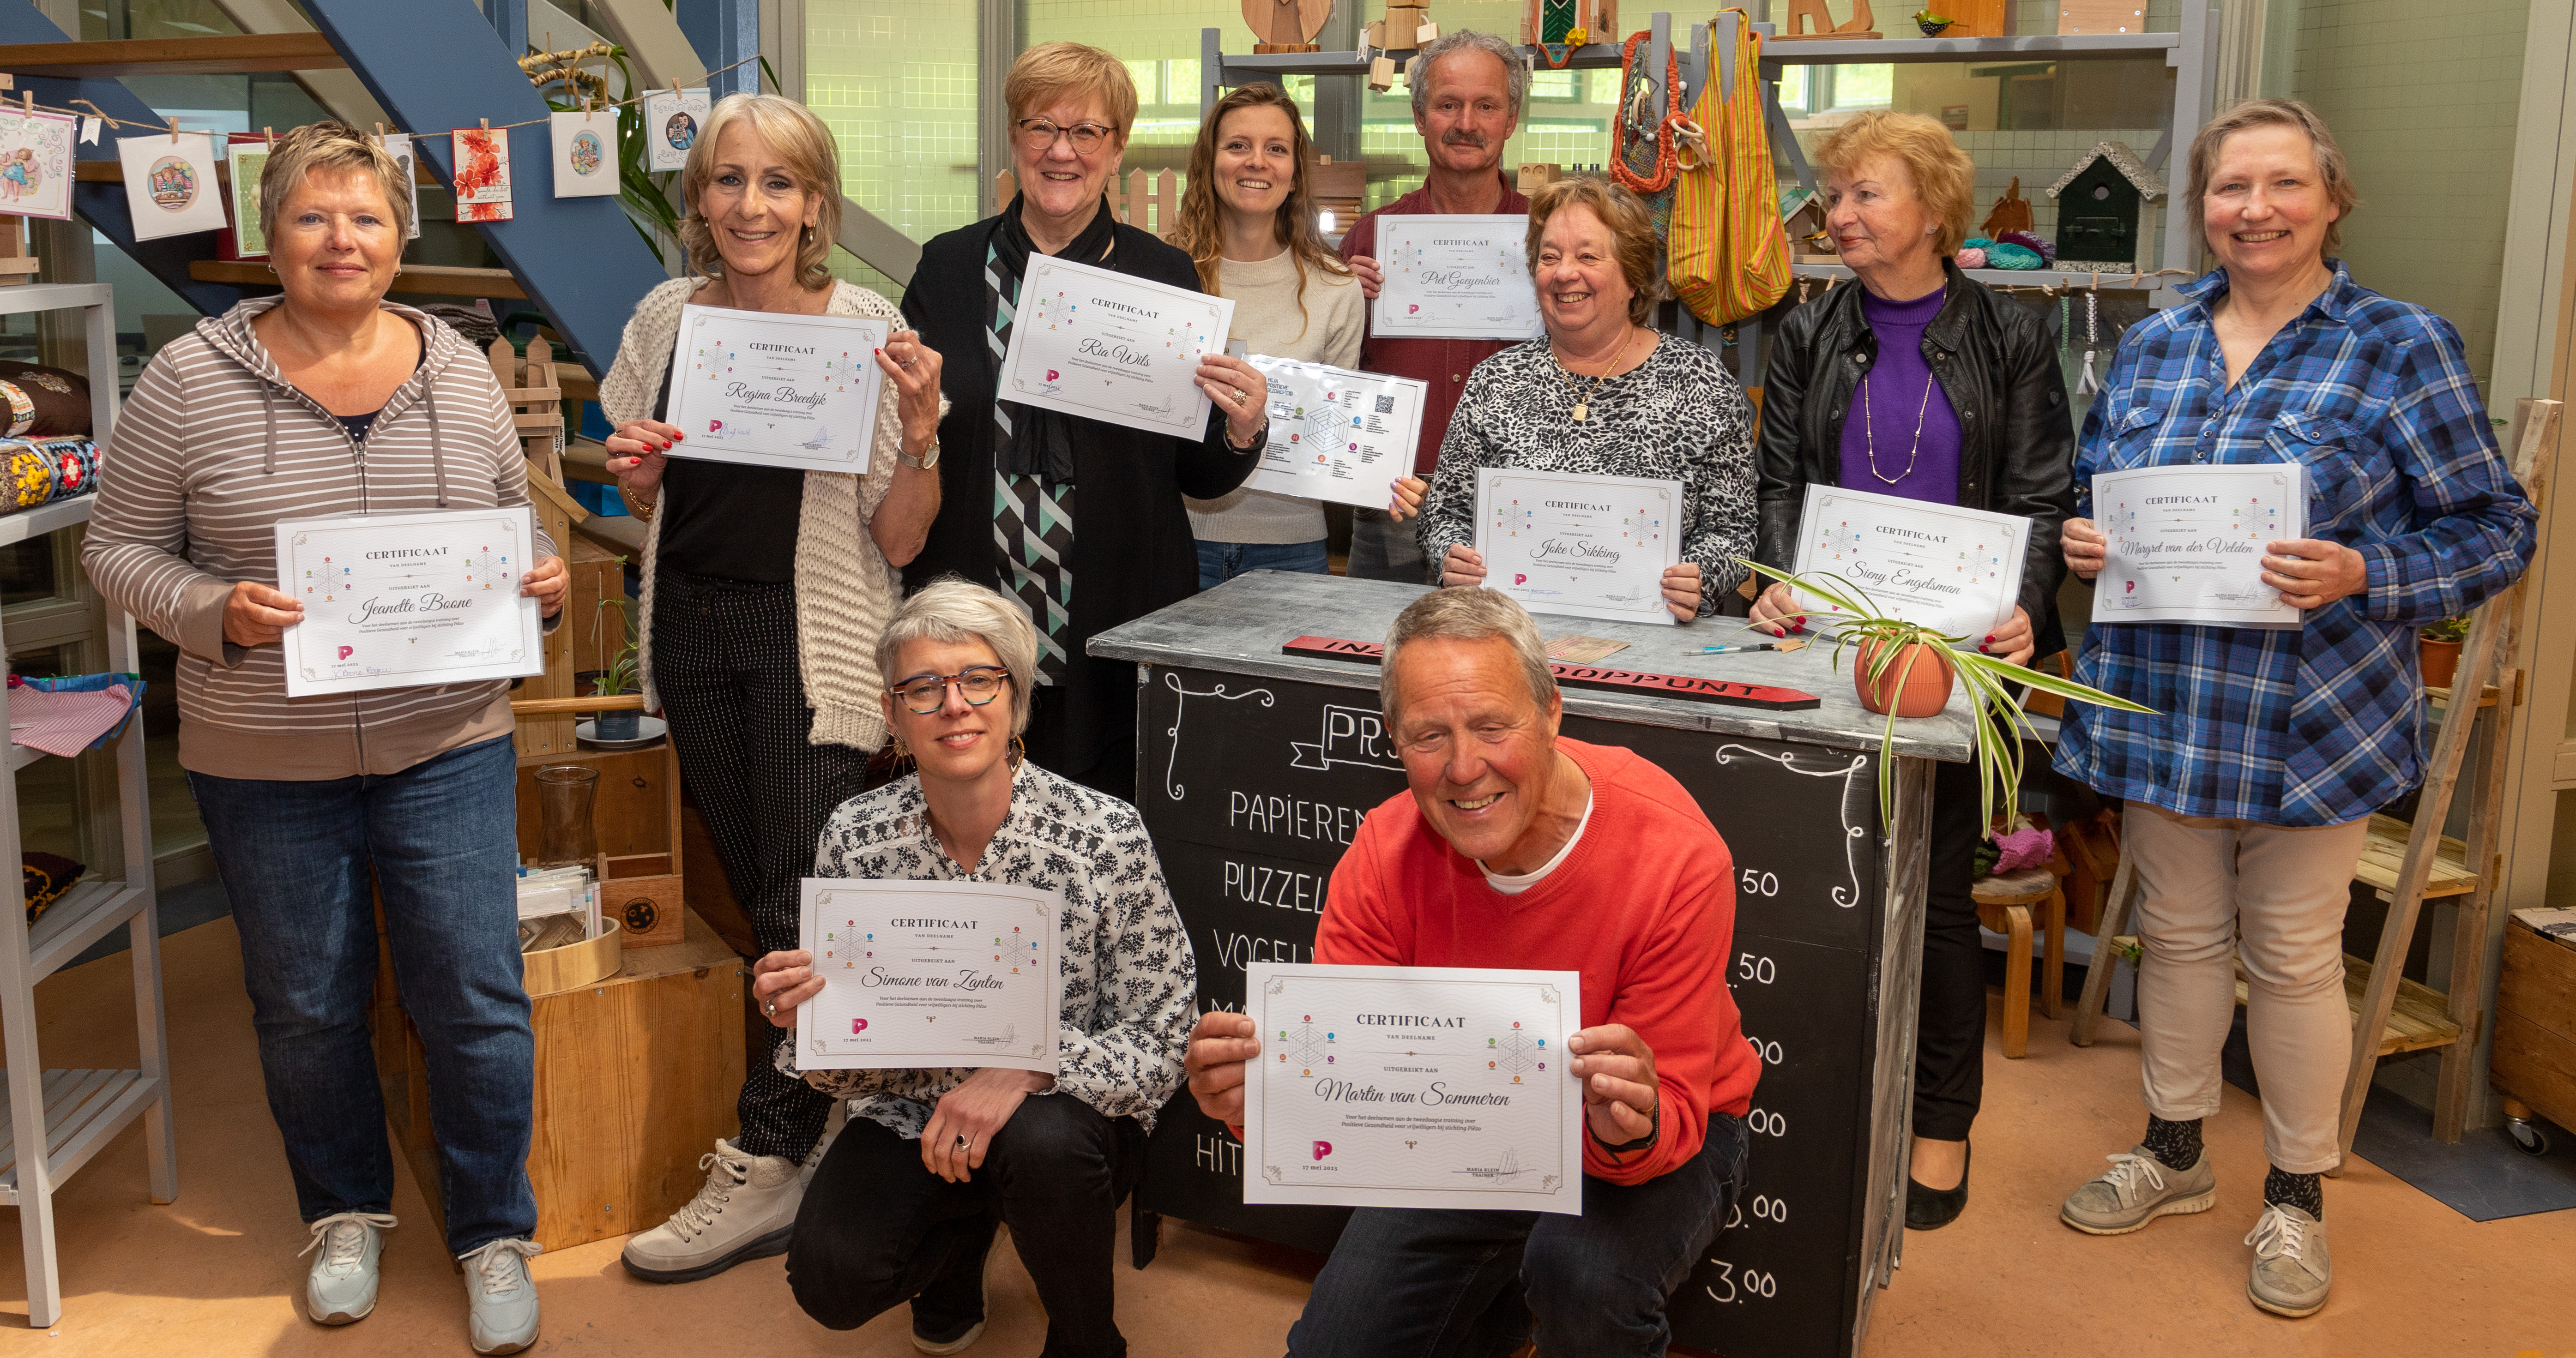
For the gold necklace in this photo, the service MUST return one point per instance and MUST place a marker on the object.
(1869, 427)
(1583, 401)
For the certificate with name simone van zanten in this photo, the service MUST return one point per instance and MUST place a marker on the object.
(1336, 434)
(403, 600)
(929, 974)
(1584, 546)
(1938, 565)
(1092, 342)
(2186, 544)
(1413, 1087)
(776, 390)
(1455, 277)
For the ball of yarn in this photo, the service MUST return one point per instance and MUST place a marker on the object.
(2027, 241)
(2002, 255)
(1971, 257)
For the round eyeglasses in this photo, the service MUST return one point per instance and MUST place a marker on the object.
(924, 694)
(1039, 134)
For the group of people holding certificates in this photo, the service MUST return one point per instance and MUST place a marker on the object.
(880, 538)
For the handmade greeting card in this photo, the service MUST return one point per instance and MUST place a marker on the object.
(671, 122)
(482, 173)
(36, 165)
(399, 146)
(170, 185)
(245, 156)
(585, 155)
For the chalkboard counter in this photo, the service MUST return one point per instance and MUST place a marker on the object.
(1254, 769)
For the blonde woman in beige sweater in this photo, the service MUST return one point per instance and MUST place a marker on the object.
(1248, 223)
(764, 590)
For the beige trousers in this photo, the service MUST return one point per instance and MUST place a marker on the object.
(2207, 886)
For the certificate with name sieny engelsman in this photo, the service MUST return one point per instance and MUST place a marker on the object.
(1092, 342)
(1938, 565)
(1584, 546)
(2186, 544)
(1463, 276)
(1413, 1087)
(776, 390)
(402, 600)
(929, 974)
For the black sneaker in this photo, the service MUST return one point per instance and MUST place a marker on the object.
(1930, 1209)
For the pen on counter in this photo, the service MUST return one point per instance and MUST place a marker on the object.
(1765, 646)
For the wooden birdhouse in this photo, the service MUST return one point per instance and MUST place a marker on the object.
(1802, 218)
(2102, 215)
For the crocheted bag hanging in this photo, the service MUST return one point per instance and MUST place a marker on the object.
(1729, 257)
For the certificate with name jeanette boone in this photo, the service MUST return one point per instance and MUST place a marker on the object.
(1940, 565)
(929, 974)
(2186, 544)
(1584, 546)
(405, 600)
(1463, 276)
(1097, 343)
(1336, 434)
(776, 390)
(1413, 1087)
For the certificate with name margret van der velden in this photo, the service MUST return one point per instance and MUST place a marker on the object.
(1939, 565)
(776, 390)
(1097, 343)
(1413, 1087)
(929, 974)
(2186, 544)
(403, 600)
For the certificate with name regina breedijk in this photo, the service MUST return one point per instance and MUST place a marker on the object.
(1097, 343)
(773, 389)
(929, 974)
(1413, 1087)
(2186, 544)
(407, 600)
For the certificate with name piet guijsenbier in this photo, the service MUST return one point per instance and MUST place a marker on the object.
(929, 974)
(1455, 276)
(410, 599)
(1413, 1087)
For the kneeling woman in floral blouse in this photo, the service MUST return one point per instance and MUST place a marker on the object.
(904, 1205)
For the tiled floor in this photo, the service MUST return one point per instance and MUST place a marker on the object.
(214, 1273)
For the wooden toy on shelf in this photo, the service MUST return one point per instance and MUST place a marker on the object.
(1538, 175)
(1809, 21)
(1558, 27)
(1404, 28)
(2012, 212)
(2101, 217)
(1802, 218)
(1286, 25)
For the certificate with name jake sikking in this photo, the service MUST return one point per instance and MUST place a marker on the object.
(1097, 343)
(1413, 1087)
(1939, 565)
(929, 974)
(1583, 546)
(1463, 276)
(2186, 544)
(776, 390)
(405, 600)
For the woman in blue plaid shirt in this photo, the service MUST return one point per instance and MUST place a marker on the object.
(2251, 788)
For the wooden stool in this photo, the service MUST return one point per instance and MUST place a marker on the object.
(2004, 902)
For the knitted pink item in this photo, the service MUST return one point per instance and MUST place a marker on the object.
(2024, 848)
(1971, 258)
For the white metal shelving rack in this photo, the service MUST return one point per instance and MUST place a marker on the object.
(58, 1119)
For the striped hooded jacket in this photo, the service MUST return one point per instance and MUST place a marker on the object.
(211, 450)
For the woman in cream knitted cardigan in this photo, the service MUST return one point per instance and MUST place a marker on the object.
(764, 590)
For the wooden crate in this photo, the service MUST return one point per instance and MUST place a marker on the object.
(638, 815)
(636, 1078)
(2535, 1026)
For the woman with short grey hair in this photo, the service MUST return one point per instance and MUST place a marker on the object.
(906, 1201)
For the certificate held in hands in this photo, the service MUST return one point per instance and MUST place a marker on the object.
(929, 974)
(776, 390)
(1413, 1087)
(1336, 434)
(405, 600)
(1584, 546)
(1462, 276)
(1939, 565)
(2186, 544)
(1097, 343)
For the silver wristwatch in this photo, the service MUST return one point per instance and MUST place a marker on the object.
(928, 459)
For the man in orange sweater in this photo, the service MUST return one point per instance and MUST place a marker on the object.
(1518, 849)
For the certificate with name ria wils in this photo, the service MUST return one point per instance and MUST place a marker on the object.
(929, 974)
(1098, 343)
(404, 600)
(1413, 1087)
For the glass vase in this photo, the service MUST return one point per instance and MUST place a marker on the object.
(569, 835)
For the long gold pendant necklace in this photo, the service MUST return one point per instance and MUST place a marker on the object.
(1583, 401)
(1869, 427)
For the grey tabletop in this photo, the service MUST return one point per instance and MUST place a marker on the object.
(1239, 626)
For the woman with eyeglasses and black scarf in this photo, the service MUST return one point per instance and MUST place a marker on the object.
(1079, 520)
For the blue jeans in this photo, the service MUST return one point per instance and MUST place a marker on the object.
(1222, 561)
(442, 839)
(1423, 1283)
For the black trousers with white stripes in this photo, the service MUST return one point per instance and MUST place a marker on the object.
(725, 665)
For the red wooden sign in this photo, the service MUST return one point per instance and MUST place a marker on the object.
(1687, 687)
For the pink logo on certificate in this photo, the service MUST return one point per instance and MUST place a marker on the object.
(1412, 307)
(1051, 374)
(1520, 579)
(714, 425)
(858, 1026)
(1322, 1149)
(345, 651)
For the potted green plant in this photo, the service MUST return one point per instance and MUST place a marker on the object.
(619, 678)
(1905, 669)
(2438, 647)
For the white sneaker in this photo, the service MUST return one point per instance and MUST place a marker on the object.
(342, 1286)
(500, 1297)
(745, 1210)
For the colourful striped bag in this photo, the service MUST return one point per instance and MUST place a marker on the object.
(1729, 257)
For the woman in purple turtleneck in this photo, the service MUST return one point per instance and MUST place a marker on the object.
(1923, 383)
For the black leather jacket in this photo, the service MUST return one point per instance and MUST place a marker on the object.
(1995, 364)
